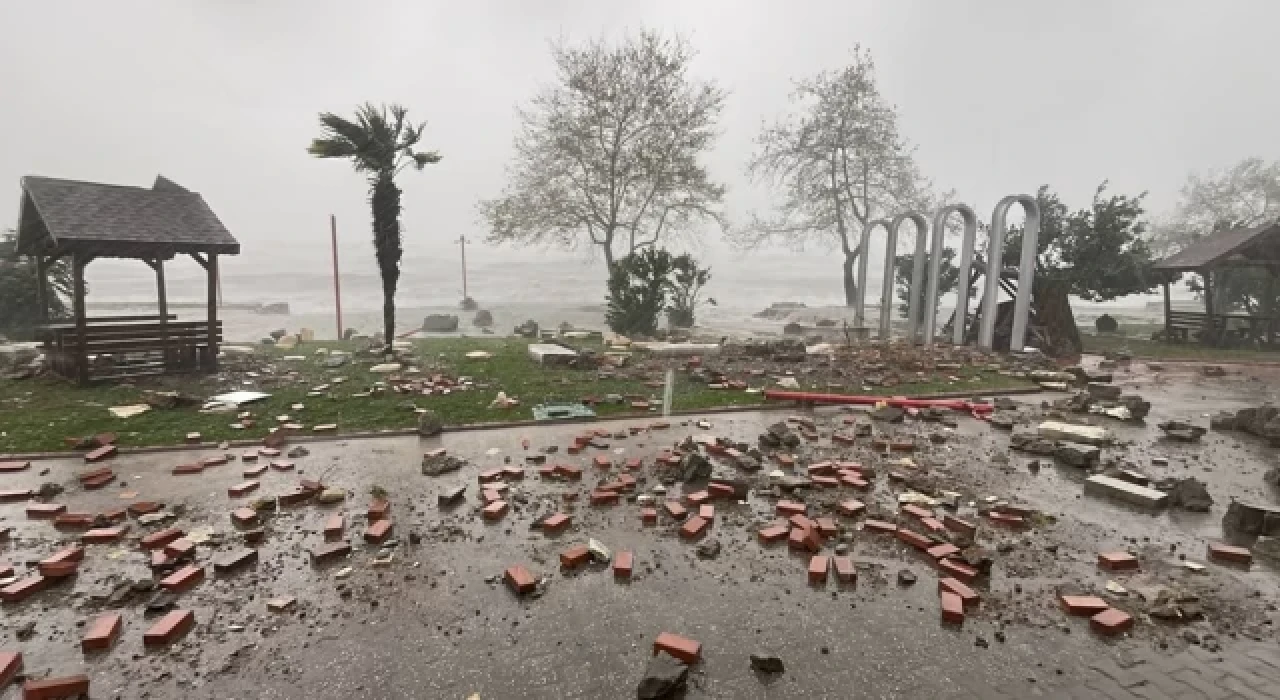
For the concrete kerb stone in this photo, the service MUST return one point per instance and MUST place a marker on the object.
(473, 427)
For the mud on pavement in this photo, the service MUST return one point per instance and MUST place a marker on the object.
(425, 612)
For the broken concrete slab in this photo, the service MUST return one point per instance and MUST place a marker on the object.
(1088, 434)
(1078, 455)
(1108, 487)
(1182, 431)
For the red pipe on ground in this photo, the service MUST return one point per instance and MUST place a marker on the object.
(858, 400)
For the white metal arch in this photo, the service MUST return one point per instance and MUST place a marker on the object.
(935, 269)
(1026, 272)
(864, 249)
(917, 275)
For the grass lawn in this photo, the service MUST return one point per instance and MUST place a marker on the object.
(37, 414)
(1157, 350)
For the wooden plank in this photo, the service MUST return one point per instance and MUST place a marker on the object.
(162, 302)
(213, 311)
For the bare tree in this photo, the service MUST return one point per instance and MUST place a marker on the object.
(1246, 194)
(839, 162)
(609, 154)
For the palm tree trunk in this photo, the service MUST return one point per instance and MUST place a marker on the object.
(385, 201)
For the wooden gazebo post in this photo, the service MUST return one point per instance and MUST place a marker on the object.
(1168, 308)
(42, 291)
(212, 270)
(78, 263)
(1211, 330)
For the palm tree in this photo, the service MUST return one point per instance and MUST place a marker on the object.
(380, 143)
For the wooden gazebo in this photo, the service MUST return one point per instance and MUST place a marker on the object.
(1257, 247)
(84, 221)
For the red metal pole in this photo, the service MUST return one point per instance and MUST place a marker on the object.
(807, 397)
(337, 285)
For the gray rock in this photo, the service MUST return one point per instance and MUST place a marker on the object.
(430, 424)
(1190, 494)
(664, 676)
(1029, 441)
(1078, 455)
(435, 465)
(1105, 392)
(1004, 403)
(1267, 547)
(730, 478)
(1002, 420)
(1138, 406)
(1223, 420)
(709, 549)
(1182, 431)
(906, 577)
(440, 323)
(694, 467)
(767, 662)
(483, 319)
(278, 333)
(888, 414)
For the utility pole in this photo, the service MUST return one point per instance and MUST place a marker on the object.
(337, 286)
(462, 241)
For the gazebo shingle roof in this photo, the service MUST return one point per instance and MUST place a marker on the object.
(118, 220)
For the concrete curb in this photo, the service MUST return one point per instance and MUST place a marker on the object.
(473, 427)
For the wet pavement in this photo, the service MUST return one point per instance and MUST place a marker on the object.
(438, 623)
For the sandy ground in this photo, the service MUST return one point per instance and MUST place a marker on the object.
(437, 623)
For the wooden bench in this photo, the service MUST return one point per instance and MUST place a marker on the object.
(117, 347)
(1183, 326)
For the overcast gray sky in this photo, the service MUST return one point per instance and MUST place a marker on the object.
(999, 95)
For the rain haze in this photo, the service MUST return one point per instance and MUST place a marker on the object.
(999, 97)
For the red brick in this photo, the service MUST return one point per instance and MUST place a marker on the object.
(575, 556)
(519, 580)
(333, 528)
(846, 572)
(952, 608)
(268, 452)
(143, 507)
(785, 459)
(61, 687)
(694, 527)
(634, 463)
(967, 596)
(10, 667)
(243, 489)
(20, 589)
(156, 540)
(569, 472)
(378, 531)
(916, 511)
(1118, 561)
(821, 469)
(490, 495)
(169, 629)
(296, 497)
(13, 466)
(827, 527)
(183, 579)
(249, 456)
(818, 567)
(842, 439)
(102, 633)
(574, 449)
(602, 462)
(675, 510)
(513, 473)
(879, 526)
(115, 515)
(942, 551)
(697, 498)
(159, 559)
(282, 465)
(1228, 553)
(214, 461)
(933, 525)
(180, 548)
(332, 550)
(9, 495)
(72, 553)
(98, 479)
(603, 497)
(958, 570)
(378, 510)
(687, 650)
(852, 508)
(1111, 622)
(791, 508)
(771, 534)
(547, 471)
(801, 521)
(188, 469)
(1014, 521)
(495, 510)
(104, 452)
(45, 511)
(6, 569)
(707, 512)
(235, 560)
(622, 564)
(73, 521)
(254, 536)
(855, 482)
(955, 524)
(1083, 605)
(914, 539)
(58, 569)
(805, 539)
(721, 491)
(244, 517)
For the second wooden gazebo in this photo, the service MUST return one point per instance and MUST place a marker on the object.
(84, 221)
